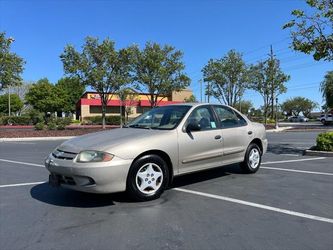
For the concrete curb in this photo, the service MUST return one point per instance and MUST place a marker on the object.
(36, 138)
(318, 153)
(277, 130)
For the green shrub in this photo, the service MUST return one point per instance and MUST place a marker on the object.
(40, 126)
(61, 126)
(16, 120)
(63, 121)
(75, 122)
(35, 116)
(51, 125)
(325, 141)
(97, 120)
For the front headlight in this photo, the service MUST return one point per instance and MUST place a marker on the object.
(93, 156)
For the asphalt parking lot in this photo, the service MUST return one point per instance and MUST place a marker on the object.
(288, 204)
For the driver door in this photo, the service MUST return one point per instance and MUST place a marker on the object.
(203, 148)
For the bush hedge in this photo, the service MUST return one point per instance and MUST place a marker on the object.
(15, 120)
(97, 120)
(325, 141)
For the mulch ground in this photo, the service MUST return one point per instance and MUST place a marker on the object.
(19, 133)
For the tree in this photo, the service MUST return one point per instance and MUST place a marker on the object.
(11, 65)
(100, 66)
(159, 71)
(244, 106)
(226, 78)
(45, 97)
(16, 103)
(73, 90)
(326, 88)
(268, 80)
(128, 98)
(313, 32)
(297, 105)
(191, 99)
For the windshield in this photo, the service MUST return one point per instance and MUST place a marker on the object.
(167, 117)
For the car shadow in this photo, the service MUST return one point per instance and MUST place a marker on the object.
(71, 198)
(284, 149)
(206, 175)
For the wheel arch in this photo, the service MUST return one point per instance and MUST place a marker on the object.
(259, 143)
(164, 156)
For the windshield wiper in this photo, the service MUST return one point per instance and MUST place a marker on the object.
(138, 126)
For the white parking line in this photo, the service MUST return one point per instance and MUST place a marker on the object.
(298, 171)
(22, 184)
(286, 161)
(257, 205)
(23, 163)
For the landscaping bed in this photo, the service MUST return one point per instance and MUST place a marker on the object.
(21, 133)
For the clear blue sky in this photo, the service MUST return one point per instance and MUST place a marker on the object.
(202, 29)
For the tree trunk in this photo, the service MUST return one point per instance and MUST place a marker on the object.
(104, 103)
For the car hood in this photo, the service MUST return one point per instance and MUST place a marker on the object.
(106, 140)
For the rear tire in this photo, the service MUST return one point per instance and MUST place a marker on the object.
(148, 177)
(252, 159)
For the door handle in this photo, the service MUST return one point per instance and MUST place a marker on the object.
(250, 132)
(218, 137)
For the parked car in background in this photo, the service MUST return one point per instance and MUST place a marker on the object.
(143, 157)
(326, 119)
(298, 119)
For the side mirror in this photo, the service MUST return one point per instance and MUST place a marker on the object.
(193, 126)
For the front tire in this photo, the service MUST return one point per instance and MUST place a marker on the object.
(148, 178)
(252, 159)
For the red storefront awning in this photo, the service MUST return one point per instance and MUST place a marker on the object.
(142, 103)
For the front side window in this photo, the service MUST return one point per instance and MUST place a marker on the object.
(203, 117)
(167, 117)
(228, 118)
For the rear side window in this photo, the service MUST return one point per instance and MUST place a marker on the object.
(228, 118)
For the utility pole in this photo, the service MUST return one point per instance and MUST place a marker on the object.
(200, 82)
(276, 114)
(273, 87)
(208, 94)
(9, 100)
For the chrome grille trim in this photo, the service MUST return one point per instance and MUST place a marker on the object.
(63, 155)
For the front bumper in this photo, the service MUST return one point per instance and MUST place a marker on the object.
(101, 177)
(264, 146)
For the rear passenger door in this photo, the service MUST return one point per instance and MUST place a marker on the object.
(234, 132)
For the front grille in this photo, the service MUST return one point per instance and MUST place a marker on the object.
(63, 155)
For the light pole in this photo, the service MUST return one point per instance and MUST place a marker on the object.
(10, 40)
(276, 114)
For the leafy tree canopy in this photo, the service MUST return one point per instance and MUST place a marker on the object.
(100, 66)
(269, 81)
(244, 106)
(11, 65)
(226, 77)
(16, 103)
(312, 32)
(191, 99)
(327, 89)
(45, 97)
(73, 90)
(297, 105)
(159, 71)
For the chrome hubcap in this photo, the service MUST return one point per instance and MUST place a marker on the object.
(254, 158)
(149, 178)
